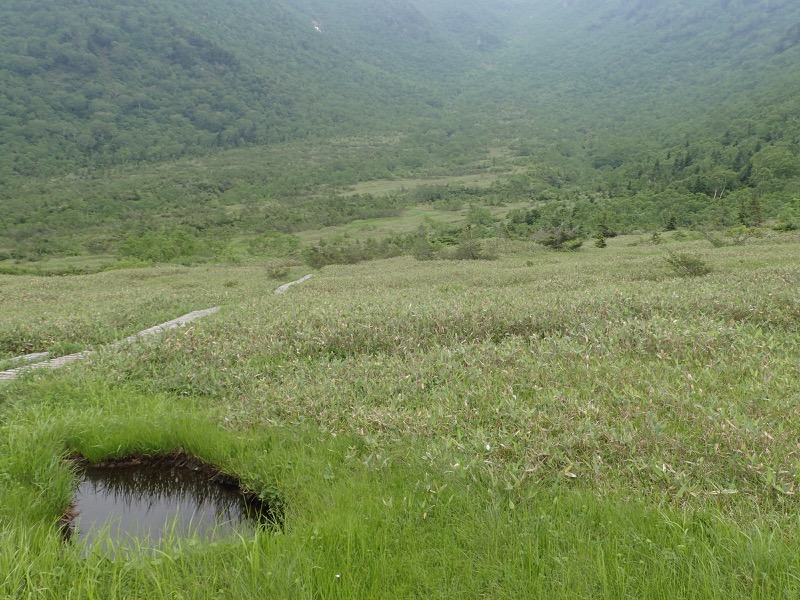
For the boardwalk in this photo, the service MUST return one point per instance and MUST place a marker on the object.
(35, 361)
(62, 361)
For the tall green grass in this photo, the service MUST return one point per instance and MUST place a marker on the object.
(548, 425)
(69, 313)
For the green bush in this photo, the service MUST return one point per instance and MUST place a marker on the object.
(341, 250)
(278, 270)
(470, 250)
(161, 247)
(739, 234)
(274, 244)
(560, 237)
(714, 240)
(789, 218)
(685, 264)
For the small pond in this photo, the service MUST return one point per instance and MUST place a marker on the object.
(145, 502)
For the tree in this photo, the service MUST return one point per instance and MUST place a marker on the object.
(564, 236)
(772, 165)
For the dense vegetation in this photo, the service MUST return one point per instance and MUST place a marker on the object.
(567, 425)
(634, 115)
(569, 371)
(124, 82)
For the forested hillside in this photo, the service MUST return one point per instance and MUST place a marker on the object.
(628, 82)
(643, 113)
(111, 82)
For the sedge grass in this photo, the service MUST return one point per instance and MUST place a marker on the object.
(63, 313)
(547, 425)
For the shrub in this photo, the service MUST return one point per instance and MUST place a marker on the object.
(341, 250)
(274, 244)
(789, 218)
(471, 250)
(739, 234)
(714, 240)
(684, 264)
(449, 203)
(733, 236)
(165, 246)
(424, 250)
(560, 237)
(277, 271)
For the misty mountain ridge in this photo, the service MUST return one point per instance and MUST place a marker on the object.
(102, 83)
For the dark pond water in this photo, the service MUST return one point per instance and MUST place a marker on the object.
(144, 504)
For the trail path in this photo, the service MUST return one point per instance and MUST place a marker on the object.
(27, 358)
(61, 361)
(282, 290)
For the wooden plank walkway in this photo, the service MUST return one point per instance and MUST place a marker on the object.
(34, 361)
(62, 361)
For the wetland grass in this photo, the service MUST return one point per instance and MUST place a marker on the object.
(582, 425)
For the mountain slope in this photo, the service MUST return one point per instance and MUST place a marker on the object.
(109, 82)
(103, 83)
(641, 101)
(613, 92)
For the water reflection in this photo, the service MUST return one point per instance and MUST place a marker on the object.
(144, 504)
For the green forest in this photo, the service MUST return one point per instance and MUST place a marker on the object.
(167, 132)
